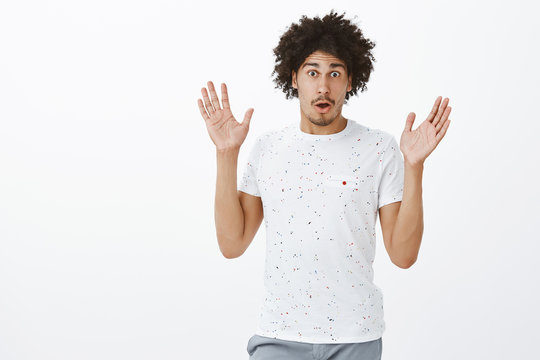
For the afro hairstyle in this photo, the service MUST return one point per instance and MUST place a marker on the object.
(332, 34)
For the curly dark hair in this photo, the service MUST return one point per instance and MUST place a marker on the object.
(331, 34)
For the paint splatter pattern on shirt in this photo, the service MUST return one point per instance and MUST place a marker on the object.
(320, 196)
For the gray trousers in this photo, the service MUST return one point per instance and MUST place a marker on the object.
(266, 348)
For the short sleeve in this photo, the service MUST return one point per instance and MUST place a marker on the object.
(248, 181)
(392, 175)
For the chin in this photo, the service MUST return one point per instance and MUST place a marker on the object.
(321, 120)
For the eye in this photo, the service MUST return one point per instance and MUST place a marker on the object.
(334, 72)
(312, 71)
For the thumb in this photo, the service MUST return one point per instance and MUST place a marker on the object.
(247, 117)
(409, 122)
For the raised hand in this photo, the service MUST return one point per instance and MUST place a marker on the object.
(224, 130)
(418, 144)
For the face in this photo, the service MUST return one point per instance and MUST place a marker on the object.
(321, 78)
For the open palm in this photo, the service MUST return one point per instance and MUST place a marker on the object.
(224, 130)
(416, 145)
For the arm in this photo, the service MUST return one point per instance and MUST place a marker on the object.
(238, 215)
(402, 223)
(230, 208)
(228, 214)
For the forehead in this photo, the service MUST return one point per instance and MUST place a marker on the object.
(322, 58)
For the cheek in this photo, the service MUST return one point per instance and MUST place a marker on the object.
(302, 96)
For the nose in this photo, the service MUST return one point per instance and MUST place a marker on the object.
(323, 86)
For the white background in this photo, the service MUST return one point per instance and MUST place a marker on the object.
(107, 174)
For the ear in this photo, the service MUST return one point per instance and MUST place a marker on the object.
(294, 84)
(349, 85)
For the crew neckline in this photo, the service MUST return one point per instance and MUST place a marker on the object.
(298, 132)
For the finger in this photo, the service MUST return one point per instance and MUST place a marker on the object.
(440, 112)
(443, 119)
(441, 133)
(409, 122)
(434, 109)
(225, 96)
(213, 95)
(207, 103)
(202, 110)
(247, 117)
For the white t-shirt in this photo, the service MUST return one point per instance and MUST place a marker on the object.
(320, 196)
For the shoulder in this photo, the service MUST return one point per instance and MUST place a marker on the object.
(264, 141)
(272, 136)
(375, 136)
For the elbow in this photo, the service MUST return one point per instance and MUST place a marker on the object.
(404, 264)
(229, 248)
(230, 255)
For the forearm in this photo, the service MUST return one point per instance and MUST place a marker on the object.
(229, 216)
(409, 227)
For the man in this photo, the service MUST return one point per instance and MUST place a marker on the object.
(319, 185)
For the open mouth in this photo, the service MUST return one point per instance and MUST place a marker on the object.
(323, 107)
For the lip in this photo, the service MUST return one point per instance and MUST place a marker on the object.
(323, 111)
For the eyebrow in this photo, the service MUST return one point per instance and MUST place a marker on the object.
(332, 65)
